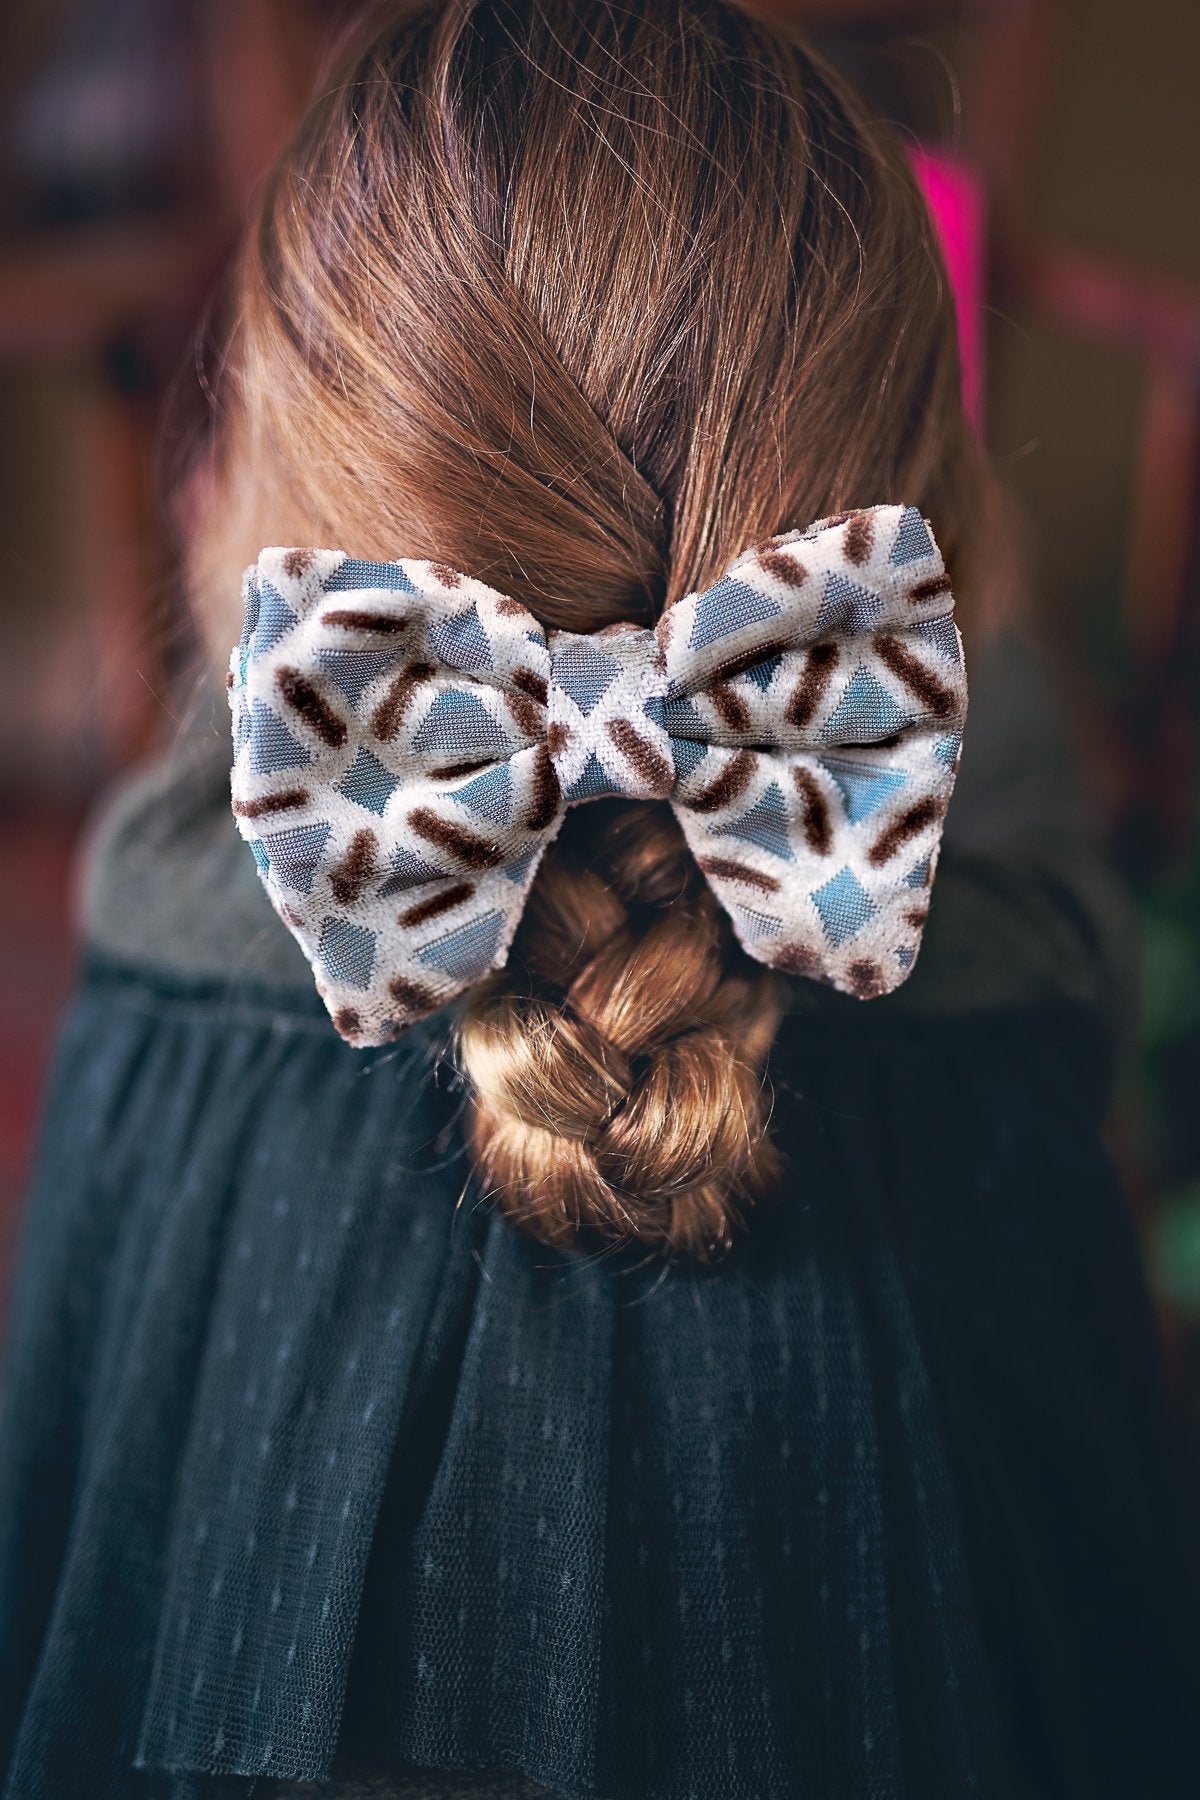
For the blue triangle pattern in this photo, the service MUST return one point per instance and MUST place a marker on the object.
(592, 782)
(687, 755)
(904, 956)
(757, 925)
(864, 790)
(765, 824)
(353, 671)
(585, 672)
(942, 635)
(347, 952)
(519, 867)
(272, 745)
(466, 952)
(241, 729)
(459, 725)
(912, 540)
(726, 607)
(681, 718)
(275, 619)
(368, 783)
(461, 642)
(249, 616)
(865, 713)
(763, 673)
(947, 748)
(844, 906)
(260, 856)
(918, 877)
(408, 871)
(354, 573)
(845, 606)
(294, 855)
(655, 708)
(488, 794)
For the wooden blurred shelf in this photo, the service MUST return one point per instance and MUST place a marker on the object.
(69, 294)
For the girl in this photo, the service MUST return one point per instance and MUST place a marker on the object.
(658, 1371)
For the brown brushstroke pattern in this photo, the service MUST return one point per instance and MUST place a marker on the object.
(724, 867)
(858, 540)
(818, 829)
(733, 711)
(456, 769)
(784, 566)
(528, 681)
(355, 620)
(866, 979)
(477, 852)
(909, 825)
(411, 997)
(807, 694)
(349, 877)
(525, 714)
(795, 959)
(929, 589)
(270, 803)
(917, 678)
(546, 794)
(388, 716)
(650, 764)
(750, 659)
(733, 780)
(313, 708)
(297, 563)
(437, 903)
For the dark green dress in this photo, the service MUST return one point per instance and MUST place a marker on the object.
(309, 1462)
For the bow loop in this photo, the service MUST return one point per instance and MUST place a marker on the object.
(441, 668)
(407, 741)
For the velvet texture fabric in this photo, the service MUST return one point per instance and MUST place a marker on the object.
(407, 742)
(309, 1463)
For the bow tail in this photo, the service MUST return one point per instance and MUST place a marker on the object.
(822, 862)
(402, 901)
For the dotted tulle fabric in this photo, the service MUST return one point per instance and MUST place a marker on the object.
(310, 1462)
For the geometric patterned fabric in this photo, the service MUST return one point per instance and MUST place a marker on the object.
(407, 742)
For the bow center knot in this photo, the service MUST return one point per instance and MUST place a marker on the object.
(606, 730)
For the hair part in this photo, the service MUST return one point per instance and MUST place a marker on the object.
(586, 301)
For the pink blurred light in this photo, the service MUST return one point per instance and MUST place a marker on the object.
(957, 200)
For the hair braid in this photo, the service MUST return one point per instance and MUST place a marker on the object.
(617, 1065)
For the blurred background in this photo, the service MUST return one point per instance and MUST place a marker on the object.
(1059, 141)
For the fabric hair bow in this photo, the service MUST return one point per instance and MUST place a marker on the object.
(407, 742)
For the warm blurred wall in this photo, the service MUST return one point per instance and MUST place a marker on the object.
(1115, 153)
(1106, 180)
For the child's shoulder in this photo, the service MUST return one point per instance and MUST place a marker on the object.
(162, 879)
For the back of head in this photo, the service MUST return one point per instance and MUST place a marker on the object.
(586, 301)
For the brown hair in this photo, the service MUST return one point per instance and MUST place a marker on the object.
(586, 300)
